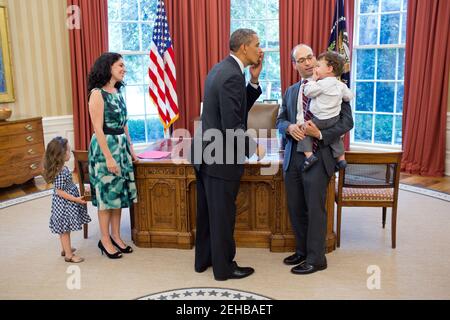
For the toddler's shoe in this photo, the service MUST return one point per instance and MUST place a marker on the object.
(74, 259)
(340, 165)
(309, 162)
(63, 254)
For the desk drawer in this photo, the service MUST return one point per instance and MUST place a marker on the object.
(17, 173)
(16, 155)
(27, 139)
(21, 128)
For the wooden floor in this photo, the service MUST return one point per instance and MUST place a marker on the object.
(33, 186)
(441, 184)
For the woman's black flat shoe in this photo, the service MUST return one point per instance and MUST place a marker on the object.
(115, 255)
(128, 249)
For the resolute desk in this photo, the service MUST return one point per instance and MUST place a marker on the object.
(164, 216)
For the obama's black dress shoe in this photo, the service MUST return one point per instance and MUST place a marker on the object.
(238, 273)
(294, 259)
(306, 268)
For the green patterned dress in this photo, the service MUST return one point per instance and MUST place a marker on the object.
(112, 191)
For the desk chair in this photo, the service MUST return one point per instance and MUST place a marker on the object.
(263, 116)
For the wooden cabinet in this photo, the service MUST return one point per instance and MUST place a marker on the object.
(21, 150)
(165, 213)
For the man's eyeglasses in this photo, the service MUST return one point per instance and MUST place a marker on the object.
(302, 60)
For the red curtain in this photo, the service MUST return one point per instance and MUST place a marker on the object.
(200, 32)
(427, 66)
(308, 22)
(86, 45)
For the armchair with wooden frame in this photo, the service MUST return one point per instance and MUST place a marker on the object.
(370, 180)
(82, 173)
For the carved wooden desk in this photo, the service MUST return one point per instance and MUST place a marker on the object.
(165, 213)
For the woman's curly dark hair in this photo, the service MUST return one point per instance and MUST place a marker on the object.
(100, 73)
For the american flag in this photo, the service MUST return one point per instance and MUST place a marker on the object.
(162, 73)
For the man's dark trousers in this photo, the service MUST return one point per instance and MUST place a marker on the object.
(216, 215)
(307, 193)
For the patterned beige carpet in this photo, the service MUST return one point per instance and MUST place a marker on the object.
(31, 268)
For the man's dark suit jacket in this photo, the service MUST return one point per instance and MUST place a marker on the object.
(288, 115)
(226, 104)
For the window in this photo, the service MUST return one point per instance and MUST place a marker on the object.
(262, 16)
(130, 34)
(378, 71)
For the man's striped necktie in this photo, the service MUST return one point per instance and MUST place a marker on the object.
(307, 115)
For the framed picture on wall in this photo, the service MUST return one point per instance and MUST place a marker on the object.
(6, 79)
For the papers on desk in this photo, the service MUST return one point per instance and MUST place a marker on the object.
(154, 155)
(268, 158)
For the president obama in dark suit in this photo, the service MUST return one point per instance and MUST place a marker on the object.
(219, 160)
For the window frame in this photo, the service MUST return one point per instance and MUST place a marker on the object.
(148, 111)
(359, 145)
(264, 83)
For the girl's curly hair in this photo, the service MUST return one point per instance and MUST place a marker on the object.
(100, 73)
(54, 158)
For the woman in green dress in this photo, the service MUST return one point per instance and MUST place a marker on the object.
(111, 153)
